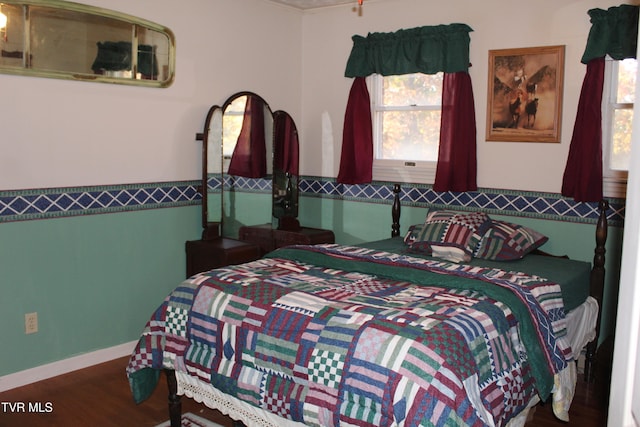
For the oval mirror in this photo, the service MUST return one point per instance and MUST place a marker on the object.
(60, 39)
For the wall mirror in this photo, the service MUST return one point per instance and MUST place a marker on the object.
(59, 39)
(250, 165)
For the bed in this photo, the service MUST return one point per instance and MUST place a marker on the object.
(412, 330)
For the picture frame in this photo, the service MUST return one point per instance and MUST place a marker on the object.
(524, 97)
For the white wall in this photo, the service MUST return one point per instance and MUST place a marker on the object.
(58, 133)
(497, 24)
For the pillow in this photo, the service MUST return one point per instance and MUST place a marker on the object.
(450, 235)
(504, 241)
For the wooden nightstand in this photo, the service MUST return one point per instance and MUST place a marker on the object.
(204, 255)
(269, 239)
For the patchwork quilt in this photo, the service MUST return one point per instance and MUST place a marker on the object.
(333, 335)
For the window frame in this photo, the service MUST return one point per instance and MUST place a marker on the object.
(394, 170)
(614, 182)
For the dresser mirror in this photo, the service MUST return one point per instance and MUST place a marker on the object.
(247, 136)
(211, 185)
(285, 171)
(60, 39)
(237, 155)
(250, 159)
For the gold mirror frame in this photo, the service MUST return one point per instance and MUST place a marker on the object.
(27, 41)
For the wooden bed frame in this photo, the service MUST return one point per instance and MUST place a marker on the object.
(596, 290)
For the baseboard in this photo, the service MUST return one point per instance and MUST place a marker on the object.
(64, 366)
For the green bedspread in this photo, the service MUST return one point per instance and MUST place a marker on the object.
(571, 275)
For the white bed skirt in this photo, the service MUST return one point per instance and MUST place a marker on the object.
(581, 325)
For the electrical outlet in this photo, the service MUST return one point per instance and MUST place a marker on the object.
(30, 323)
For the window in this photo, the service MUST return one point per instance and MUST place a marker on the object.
(617, 117)
(406, 122)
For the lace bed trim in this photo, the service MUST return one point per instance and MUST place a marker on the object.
(251, 416)
(229, 405)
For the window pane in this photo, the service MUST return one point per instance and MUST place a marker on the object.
(626, 81)
(410, 135)
(412, 89)
(621, 149)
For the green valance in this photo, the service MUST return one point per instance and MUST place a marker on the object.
(427, 50)
(614, 32)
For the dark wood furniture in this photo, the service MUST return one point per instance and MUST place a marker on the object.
(596, 285)
(268, 238)
(204, 255)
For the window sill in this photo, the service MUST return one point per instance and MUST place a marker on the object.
(398, 171)
(614, 187)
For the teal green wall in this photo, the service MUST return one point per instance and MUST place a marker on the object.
(351, 221)
(94, 280)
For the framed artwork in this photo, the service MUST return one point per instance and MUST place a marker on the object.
(524, 98)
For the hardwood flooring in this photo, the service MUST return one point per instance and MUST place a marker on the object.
(99, 396)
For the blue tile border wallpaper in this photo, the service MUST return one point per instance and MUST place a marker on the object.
(22, 205)
(504, 202)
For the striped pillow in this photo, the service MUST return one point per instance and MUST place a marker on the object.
(504, 241)
(450, 235)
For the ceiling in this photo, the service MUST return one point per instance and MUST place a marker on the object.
(313, 4)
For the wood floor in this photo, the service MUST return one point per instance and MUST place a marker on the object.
(99, 397)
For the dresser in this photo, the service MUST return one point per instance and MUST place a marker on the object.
(268, 238)
(204, 255)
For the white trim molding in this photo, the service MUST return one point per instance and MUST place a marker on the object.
(50, 370)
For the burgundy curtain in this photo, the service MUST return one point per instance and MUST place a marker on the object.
(428, 50)
(285, 151)
(356, 160)
(249, 158)
(583, 174)
(457, 164)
